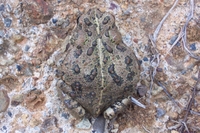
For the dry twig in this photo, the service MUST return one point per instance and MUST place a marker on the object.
(190, 103)
(153, 39)
(162, 21)
(194, 112)
(183, 33)
(184, 38)
(168, 94)
(146, 129)
(156, 58)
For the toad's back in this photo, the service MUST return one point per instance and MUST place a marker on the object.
(97, 66)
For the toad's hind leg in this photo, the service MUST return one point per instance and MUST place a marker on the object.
(116, 108)
(73, 107)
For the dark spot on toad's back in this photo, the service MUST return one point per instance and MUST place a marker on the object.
(77, 53)
(117, 79)
(106, 33)
(90, 77)
(89, 33)
(76, 69)
(121, 48)
(105, 59)
(130, 76)
(94, 72)
(87, 22)
(67, 47)
(111, 69)
(128, 88)
(91, 95)
(90, 51)
(106, 19)
(76, 87)
(72, 94)
(107, 47)
(59, 73)
(128, 60)
(94, 43)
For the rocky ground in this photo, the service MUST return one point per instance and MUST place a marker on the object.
(32, 31)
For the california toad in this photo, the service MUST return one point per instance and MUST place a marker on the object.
(96, 69)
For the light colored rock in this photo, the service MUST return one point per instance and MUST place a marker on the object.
(174, 131)
(4, 101)
(84, 124)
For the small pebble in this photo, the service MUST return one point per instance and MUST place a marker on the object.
(1, 33)
(4, 101)
(141, 90)
(99, 124)
(18, 67)
(1, 41)
(142, 19)
(36, 74)
(193, 47)
(26, 48)
(160, 112)
(112, 6)
(54, 20)
(2, 8)
(4, 127)
(19, 21)
(127, 39)
(174, 131)
(9, 113)
(7, 22)
(65, 115)
(84, 124)
(145, 59)
(49, 123)
(28, 72)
